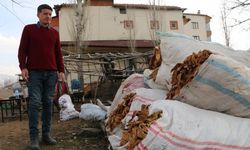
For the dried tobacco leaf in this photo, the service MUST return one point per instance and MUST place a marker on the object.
(154, 74)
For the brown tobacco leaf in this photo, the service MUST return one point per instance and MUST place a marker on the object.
(137, 129)
(120, 112)
(125, 137)
(156, 59)
(154, 74)
(186, 71)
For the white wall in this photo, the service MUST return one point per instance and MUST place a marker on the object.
(202, 31)
(106, 23)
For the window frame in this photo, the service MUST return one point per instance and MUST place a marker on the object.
(128, 24)
(175, 23)
(154, 24)
(195, 25)
(123, 11)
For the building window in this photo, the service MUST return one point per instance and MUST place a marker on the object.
(128, 24)
(173, 25)
(195, 25)
(196, 37)
(154, 24)
(123, 11)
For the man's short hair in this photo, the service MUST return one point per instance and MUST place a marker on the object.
(43, 6)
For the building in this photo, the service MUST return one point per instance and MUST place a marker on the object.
(198, 26)
(125, 27)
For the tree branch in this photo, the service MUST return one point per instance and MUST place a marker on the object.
(239, 22)
(240, 4)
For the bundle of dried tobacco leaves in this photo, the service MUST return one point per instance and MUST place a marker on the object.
(186, 71)
(137, 129)
(155, 62)
(120, 112)
(156, 59)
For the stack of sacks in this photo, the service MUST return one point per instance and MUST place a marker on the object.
(143, 120)
(143, 114)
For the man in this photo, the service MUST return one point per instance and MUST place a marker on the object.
(41, 63)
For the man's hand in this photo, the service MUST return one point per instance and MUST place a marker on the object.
(61, 77)
(25, 74)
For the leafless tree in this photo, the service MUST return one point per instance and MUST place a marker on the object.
(77, 29)
(240, 4)
(155, 18)
(224, 18)
(81, 19)
(131, 28)
(242, 7)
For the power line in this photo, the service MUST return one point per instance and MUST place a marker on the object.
(16, 3)
(12, 13)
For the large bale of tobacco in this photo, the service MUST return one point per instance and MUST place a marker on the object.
(220, 84)
(175, 48)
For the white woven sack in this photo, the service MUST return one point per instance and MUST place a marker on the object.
(92, 112)
(175, 47)
(67, 110)
(150, 82)
(143, 96)
(183, 127)
(222, 84)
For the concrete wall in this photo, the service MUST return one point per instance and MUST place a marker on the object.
(201, 31)
(106, 23)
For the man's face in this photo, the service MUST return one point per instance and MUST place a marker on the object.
(45, 16)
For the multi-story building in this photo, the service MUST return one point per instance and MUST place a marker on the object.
(123, 27)
(198, 26)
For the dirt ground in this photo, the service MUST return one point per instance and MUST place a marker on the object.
(70, 135)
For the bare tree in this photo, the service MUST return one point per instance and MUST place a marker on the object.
(224, 18)
(77, 29)
(80, 16)
(155, 19)
(81, 19)
(240, 4)
(131, 28)
(241, 7)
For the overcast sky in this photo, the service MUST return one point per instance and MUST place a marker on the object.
(13, 18)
